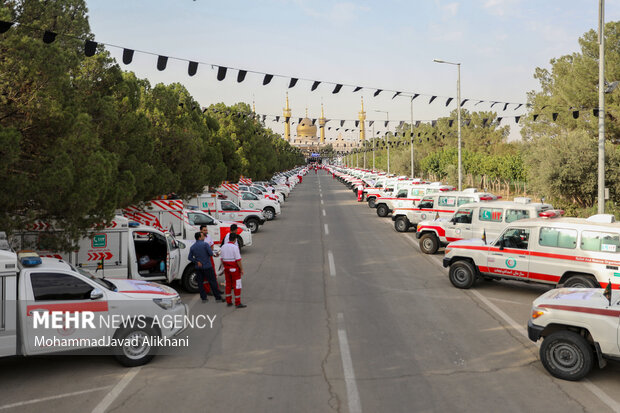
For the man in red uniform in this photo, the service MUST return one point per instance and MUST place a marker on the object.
(231, 259)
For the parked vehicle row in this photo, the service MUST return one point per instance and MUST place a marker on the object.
(490, 239)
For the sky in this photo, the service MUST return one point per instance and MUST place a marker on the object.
(388, 44)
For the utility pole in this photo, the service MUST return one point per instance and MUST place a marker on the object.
(601, 107)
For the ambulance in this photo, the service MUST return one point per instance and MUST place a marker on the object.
(476, 220)
(171, 215)
(568, 252)
(441, 204)
(261, 192)
(406, 195)
(249, 200)
(43, 299)
(120, 249)
(219, 206)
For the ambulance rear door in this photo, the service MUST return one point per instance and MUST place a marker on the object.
(8, 303)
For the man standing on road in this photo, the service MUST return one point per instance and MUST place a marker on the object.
(233, 228)
(231, 258)
(200, 254)
(205, 230)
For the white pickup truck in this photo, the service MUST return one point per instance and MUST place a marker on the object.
(44, 303)
(579, 327)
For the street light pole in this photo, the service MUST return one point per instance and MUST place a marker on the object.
(411, 137)
(458, 114)
(601, 107)
(387, 138)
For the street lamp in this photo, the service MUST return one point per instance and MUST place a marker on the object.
(388, 142)
(458, 114)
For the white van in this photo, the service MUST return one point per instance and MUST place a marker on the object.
(476, 220)
(571, 252)
(437, 205)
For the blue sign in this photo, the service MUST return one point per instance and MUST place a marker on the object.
(315, 155)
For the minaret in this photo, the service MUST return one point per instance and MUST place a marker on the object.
(362, 118)
(287, 121)
(322, 122)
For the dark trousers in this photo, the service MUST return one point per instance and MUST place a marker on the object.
(208, 274)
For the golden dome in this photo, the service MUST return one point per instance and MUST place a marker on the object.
(306, 128)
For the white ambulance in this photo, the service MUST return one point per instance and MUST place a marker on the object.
(475, 220)
(34, 291)
(249, 200)
(120, 249)
(219, 206)
(441, 204)
(407, 195)
(569, 252)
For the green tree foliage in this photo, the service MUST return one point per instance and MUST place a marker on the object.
(80, 138)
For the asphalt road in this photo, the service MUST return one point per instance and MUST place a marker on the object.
(344, 314)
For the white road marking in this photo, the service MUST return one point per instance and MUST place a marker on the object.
(321, 195)
(116, 391)
(326, 230)
(332, 267)
(321, 202)
(353, 396)
(45, 399)
(323, 212)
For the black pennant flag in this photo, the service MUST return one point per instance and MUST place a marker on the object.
(377, 92)
(494, 103)
(554, 116)
(505, 106)
(432, 98)
(535, 117)
(5, 26)
(221, 73)
(337, 89)
(448, 101)
(49, 37)
(357, 89)
(517, 119)
(277, 118)
(192, 68)
(357, 122)
(386, 123)
(315, 85)
(575, 114)
(594, 112)
(395, 94)
(415, 96)
(341, 123)
(417, 124)
(293, 82)
(518, 106)
(300, 120)
(241, 75)
(162, 61)
(127, 56)
(267, 79)
(484, 121)
(450, 123)
(499, 120)
(313, 121)
(264, 118)
(433, 123)
(464, 101)
(90, 48)
(371, 122)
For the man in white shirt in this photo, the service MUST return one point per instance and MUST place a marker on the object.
(233, 270)
(233, 228)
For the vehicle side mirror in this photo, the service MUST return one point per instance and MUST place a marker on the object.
(96, 294)
(501, 244)
(454, 220)
(181, 245)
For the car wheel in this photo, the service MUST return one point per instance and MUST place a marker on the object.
(372, 202)
(189, 281)
(429, 244)
(462, 274)
(269, 213)
(566, 355)
(252, 225)
(382, 210)
(136, 349)
(401, 224)
(580, 281)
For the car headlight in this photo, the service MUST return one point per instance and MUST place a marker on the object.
(537, 312)
(167, 303)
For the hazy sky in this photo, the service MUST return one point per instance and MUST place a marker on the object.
(386, 44)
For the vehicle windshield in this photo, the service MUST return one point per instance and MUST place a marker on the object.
(101, 281)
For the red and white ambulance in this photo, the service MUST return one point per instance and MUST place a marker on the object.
(568, 252)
